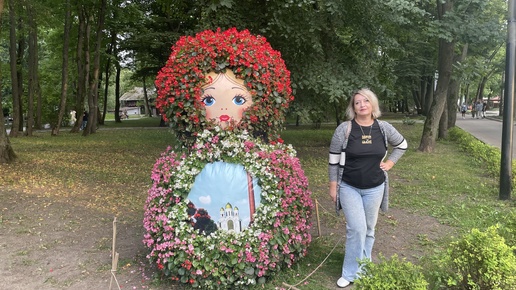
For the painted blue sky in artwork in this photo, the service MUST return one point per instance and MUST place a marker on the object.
(220, 183)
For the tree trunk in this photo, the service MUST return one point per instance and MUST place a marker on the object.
(38, 121)
(431, 126)
(14, 71)
(33, 63)
(19, 72)
(82, 65)
(87, 65)
(429, 95)
(64, 70)
(117, 92)
(453, 98)
(146, 99)
(93, 97)
(424, 95)
(337, 116)
(480, 89)
(443, 123)
(7, 154)
(37, 86)
(416, 96)
(466, 93)
(106, 77)
(112, 50)
(453, 93)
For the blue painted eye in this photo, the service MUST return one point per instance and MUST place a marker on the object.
(208, 101)
(239, 100)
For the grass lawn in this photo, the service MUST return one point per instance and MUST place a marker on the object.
(108, 173)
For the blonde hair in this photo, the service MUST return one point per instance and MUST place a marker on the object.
(371, 97)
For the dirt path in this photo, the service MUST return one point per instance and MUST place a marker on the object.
(48, 244)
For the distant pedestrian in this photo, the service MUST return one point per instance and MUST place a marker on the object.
(484, 108)
(84, 120)
(478, 108)
(463, 109)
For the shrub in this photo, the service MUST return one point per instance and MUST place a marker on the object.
(508, 229)
(392, 274)
(479, 260)
(489, 156)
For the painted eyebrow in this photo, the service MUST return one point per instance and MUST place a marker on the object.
(212, 88)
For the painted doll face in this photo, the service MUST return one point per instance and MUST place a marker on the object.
(225, 98)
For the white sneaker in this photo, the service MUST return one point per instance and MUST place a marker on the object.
(342, 282)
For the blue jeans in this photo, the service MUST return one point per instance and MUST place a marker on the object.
(361, 207)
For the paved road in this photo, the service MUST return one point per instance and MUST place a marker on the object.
(486, 130)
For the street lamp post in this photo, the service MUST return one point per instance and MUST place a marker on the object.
(508, 118)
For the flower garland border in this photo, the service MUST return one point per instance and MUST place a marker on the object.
(279, 234)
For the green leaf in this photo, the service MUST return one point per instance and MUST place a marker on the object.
(181, 271)
(184, 279)
(249, 271)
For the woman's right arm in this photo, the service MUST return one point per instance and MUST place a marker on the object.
(333, 190)
(336, 144)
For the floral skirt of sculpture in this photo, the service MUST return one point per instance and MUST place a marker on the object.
(228, 213)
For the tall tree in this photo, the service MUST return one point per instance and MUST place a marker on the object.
(33, 67)
(93, 97)
(82, 63)
(64, 69)
(14, 60)
(117, 91)
(479, 30)
(111, 54)
(7, 154)
(146, 99)
(446, 49)
(453, 90)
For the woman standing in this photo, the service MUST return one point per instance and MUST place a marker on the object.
(358, 175)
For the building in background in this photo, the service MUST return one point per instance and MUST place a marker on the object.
(132, 102)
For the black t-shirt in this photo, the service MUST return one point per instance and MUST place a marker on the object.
(362, 168)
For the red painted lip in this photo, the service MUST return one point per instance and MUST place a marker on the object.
(224, 118)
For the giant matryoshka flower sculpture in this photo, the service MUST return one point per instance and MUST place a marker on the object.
(232, 206)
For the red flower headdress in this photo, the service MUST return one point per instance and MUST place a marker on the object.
(251, 58)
